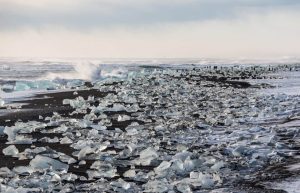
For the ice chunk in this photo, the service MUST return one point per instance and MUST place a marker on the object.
(162, 167)
(147, 155)
(158, 186)
(23, 170)
(78, 103)
(6, 173)
(120, 184)
(184, 188)
(200, 179)
(11, 151)
(66, 140)
(130, 173)
(67, 159)
(117, 107)
(55, 178)
(84, 151)
(217, 166)
(2, 102)
(103, 171)
(69, 177)
(239, 151)
(21, 127)
(42, 162)
(123, 118)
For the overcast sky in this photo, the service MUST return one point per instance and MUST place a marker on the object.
(150, 28)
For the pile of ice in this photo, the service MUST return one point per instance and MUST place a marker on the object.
(161, 130)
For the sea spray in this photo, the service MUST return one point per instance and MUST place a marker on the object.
(90, 71)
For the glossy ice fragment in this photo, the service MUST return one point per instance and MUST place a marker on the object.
(103, 172)
(158, 186)
(200, 179)
(146, 156)
(217, 166)
(84, 151)
(184, 188)
(10, 151)
(2, 102)
(123, 118)
(120, 184)
(130, 173)
(42, 162)
(67, 159)
(69, 177)
(6, 172)
(66, 140)
(21, 127)
(164, 165)
(23, 170)
(55, 178)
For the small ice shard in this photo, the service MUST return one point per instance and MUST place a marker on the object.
(42, 162)
(66, 140)
(120, 184)
(93, 133)
(21, 127)
(11, 151)
(158, 186)
(200, 179)
(23, 170)
(129, 174)
(217, 166)
(131, 131)
(162, 167)
(147, 155)
(67, 159)
(49, 140)
(239, 151)
(6, 173)
(84, 151)
(69, 177)
(55, 178)
(2, 102)
(66, 101)
(184, 188)
(123, 118)
(117, 107)
(103, 171)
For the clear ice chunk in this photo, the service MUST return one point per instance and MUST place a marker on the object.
(11, 151)
(146, 156)
(42, 162)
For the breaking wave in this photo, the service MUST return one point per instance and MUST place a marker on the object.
(89, 71)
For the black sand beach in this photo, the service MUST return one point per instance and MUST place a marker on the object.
(46, 105)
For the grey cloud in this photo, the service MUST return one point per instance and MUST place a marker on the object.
(101, 14)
